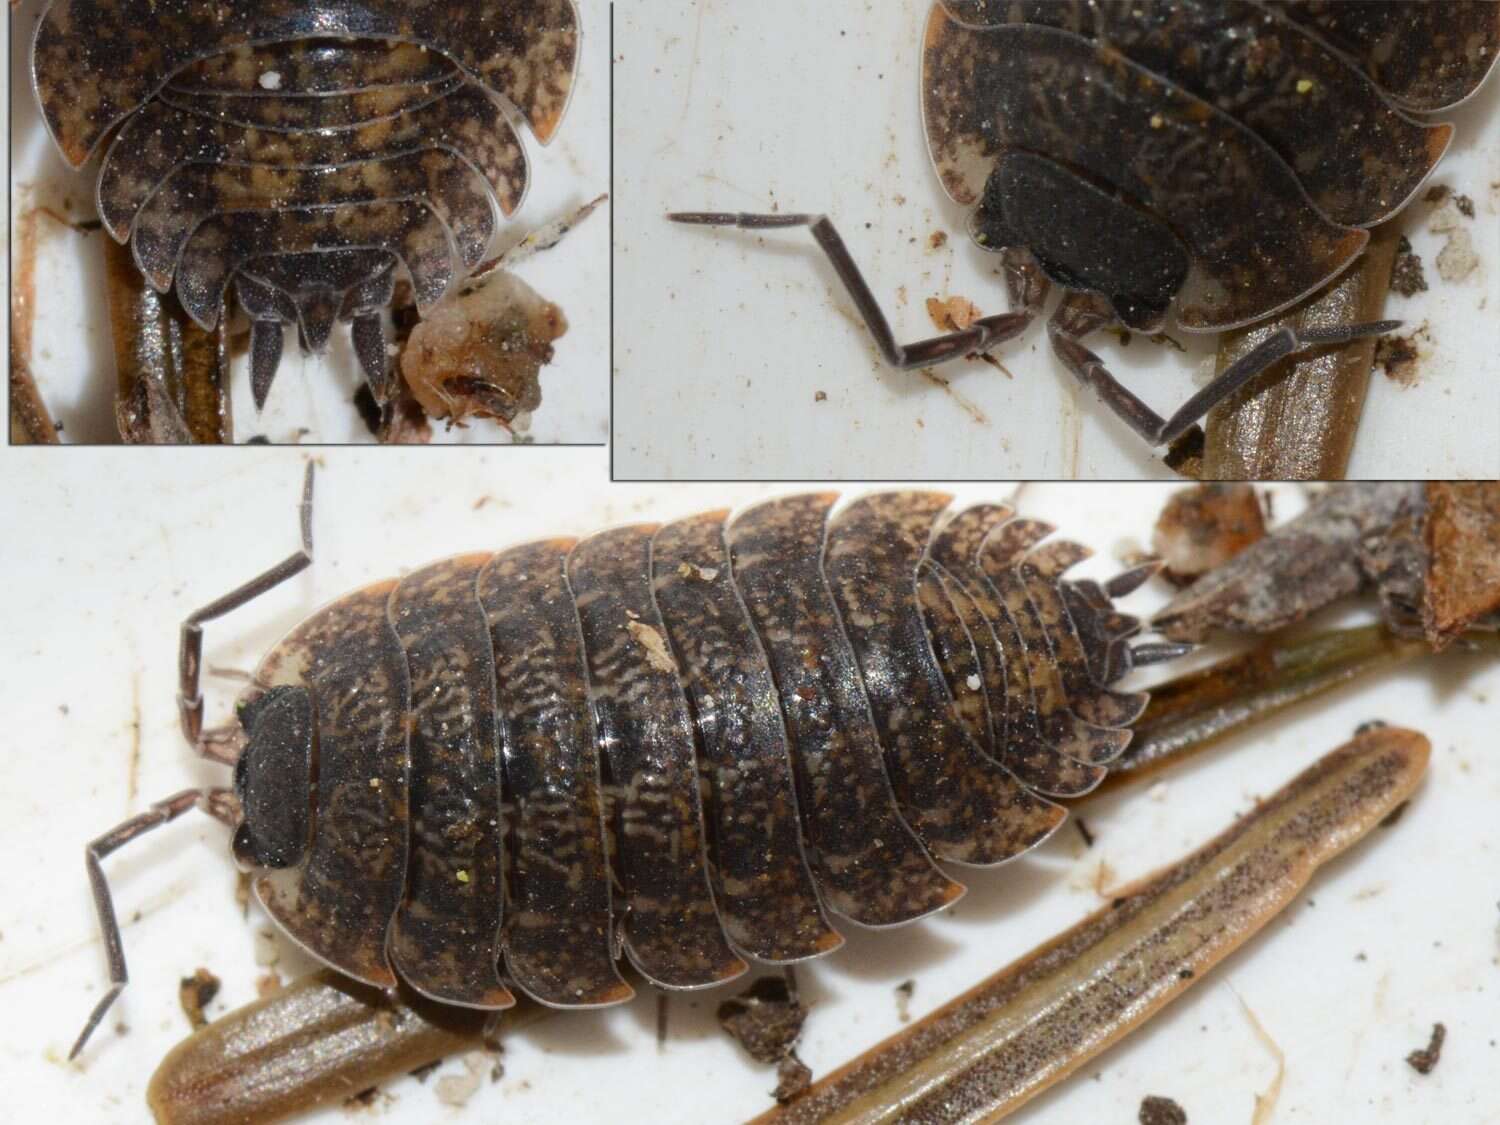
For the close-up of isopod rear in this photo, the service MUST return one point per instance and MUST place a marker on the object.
(299, 208)
(977, 239)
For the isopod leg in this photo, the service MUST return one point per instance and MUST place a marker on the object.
(190, 653)
(162, 812)
(1080, 314)
(980, 336)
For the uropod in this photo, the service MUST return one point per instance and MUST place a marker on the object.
(693, 745)
(302, 158)
(1208, 163)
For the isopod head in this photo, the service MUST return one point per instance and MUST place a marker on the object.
(273, 779)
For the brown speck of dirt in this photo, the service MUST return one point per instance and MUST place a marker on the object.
(792, 1077)
(952, 315)
(1083, 831)
(820, 396)
(1425, 1059)
(1204, 527)
(365, 1099)
(904, 992)
(938, 240)
(481, 353)
(765, 1019)
(195, 993)
(1398, 356)
(1408, 276)
(1161, 1111)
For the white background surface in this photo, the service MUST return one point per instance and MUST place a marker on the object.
(72, 352)
(725, 337)
(104, 553)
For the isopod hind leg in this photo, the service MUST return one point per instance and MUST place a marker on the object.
(217, 802)
(1082, 313)
(218, 745)
(980, 336)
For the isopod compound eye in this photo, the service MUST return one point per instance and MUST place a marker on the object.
(273, 779)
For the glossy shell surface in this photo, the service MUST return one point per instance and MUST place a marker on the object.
(699, 743)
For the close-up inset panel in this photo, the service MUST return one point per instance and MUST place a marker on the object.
(1056, 240)
(311, 221)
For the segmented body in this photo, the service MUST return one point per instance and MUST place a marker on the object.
(702, 742)
(305, 151)
(1222, 155)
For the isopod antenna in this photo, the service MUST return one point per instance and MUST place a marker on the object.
(219, 802)
(1079, 314)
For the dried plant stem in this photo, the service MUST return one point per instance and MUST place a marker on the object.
(1029, 1026)
(1299, 424)
(321, 1039)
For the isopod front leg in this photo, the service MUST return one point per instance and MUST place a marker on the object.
(980, 336)
(219, 803)
(190, 653)
(1081, 313)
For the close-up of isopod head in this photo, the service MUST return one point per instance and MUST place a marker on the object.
(1190, 172)
(339, 167)
(273, 779)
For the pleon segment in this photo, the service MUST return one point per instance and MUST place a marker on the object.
(94, 61)
(964, 806)
(220, 247)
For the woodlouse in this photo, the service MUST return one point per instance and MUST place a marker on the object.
(1216, 159)
(690, 743)
(304, 152)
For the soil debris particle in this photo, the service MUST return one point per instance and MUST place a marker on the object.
(1425, 1059)
(765, 1019)
(1408, 276)
(1204, 527)
(1157, 1110)
(904, 992)
(952, 315)
(938, 240)
(195, 993)
(481, 353)
(792, 1077)
(1398, 356)
(457, 1089)
(655, 645)
(1457, 260)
